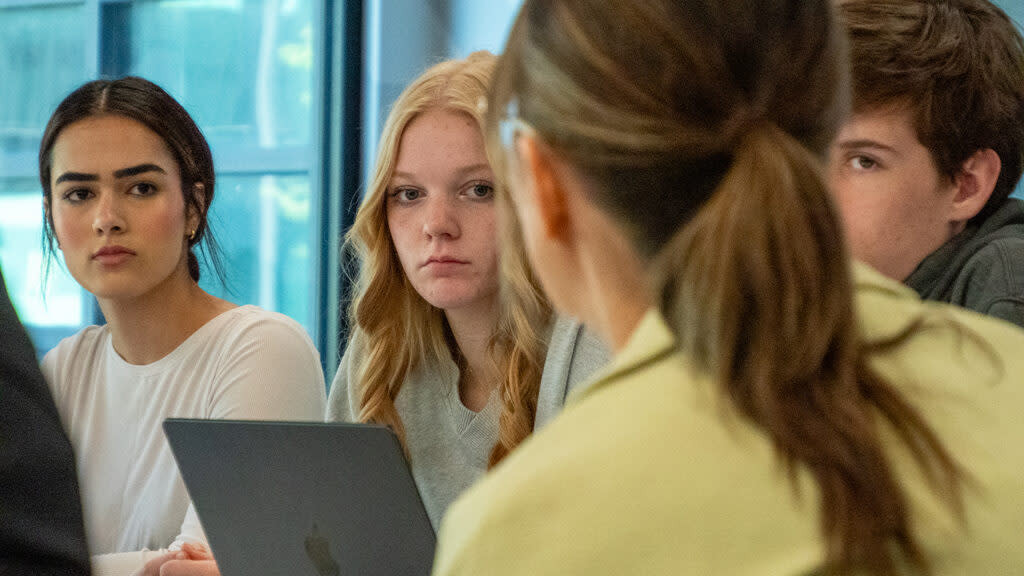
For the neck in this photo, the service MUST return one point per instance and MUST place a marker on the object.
(616, 304)
(472, 328)
(144, 329)
(613, 292)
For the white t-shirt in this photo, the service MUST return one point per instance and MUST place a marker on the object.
(246, 363)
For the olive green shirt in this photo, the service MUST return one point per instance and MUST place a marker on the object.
(645, 472)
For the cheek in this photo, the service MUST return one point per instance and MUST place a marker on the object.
(70, 229)
(399, 230)
(864, 204)
(168, 224)
(486, 234)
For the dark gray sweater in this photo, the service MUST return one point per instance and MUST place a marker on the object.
(981, 268)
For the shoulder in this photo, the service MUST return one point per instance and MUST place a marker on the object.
(945, 346)
(343, 401)
(574, 354)
(572, 344)
(249, 340)
(250, 319)
(75, 355)
(87, 339)
(250, 329)
(256, 364)
(994, 275)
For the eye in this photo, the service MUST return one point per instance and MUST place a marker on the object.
(863, 163)
(76, 195)
(481, 191)
(143, 189)
(406, 195)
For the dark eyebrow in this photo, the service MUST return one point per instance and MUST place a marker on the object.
(76, 177)
(864, 143)
(122, 173)
(136, 170)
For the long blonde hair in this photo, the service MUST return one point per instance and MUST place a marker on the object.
(703, 126)
(400, 329)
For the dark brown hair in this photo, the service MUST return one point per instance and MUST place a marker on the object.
(702, 127)
(956, 65)
(147, 103)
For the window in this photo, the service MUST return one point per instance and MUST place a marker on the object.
(249, 73)
(404, 37)
(245, 71)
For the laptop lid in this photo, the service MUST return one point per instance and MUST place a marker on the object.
(297, 498)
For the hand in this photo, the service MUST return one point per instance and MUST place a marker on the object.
(152, 568)
(192, 560)
(189, 568)
(196, 551)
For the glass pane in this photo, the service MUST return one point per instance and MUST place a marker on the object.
(479, 25)
(42, 62)
(21, 222)
(242, 68)
(264, 225)
(44, 59)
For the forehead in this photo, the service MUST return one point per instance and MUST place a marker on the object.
(893, 124)
(101, 144)
(440, 137)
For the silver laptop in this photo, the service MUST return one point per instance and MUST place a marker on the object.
(295, 498)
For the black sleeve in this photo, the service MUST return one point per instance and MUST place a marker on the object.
(40, 512)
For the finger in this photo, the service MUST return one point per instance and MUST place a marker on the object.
(190, 568)
(152, 568)
(196, 551)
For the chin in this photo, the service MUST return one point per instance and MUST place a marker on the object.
(453, 295)
(449, 304)
(111, 289)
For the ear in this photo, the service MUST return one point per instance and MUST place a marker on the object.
(192, 215)
(547, 189)
(974, 184)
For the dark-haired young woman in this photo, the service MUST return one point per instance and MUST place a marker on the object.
(128, 181)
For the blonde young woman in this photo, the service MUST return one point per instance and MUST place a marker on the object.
(770, 409)
(460, 375)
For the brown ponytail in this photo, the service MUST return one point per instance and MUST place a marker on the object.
(701, 127)
(758, 291)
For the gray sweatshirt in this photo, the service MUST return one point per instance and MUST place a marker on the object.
(981, 268)
(449, 444)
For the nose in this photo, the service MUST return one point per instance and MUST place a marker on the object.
(440, 218)
(108, 217)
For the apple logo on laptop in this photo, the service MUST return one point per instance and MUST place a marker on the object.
(318, 550)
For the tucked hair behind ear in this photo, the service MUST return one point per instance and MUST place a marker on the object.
(400, 329)
(704, 136)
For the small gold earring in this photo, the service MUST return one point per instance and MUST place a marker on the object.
(192, 235)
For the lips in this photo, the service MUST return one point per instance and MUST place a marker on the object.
(444, 260)
(112, 254)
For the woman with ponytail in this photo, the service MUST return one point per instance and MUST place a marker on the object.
(459, 374)
(127, 182)
(772, 408)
